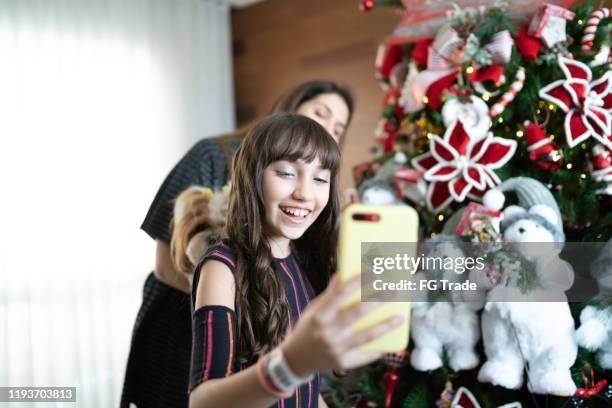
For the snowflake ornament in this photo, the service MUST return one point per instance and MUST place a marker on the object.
(460, 165)
(586, 103)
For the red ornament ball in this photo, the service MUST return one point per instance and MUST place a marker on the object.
(366, 5)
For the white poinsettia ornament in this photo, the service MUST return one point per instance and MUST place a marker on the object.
(586, 103)
(460, 166)
(473, 113)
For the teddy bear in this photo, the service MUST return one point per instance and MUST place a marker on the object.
(200, 215)
(377, 192)
(595, 331)
(526, 321)
(443, 322)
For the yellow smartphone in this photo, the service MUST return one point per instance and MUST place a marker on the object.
(370, 223)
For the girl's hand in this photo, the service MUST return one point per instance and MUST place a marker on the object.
(323, 340)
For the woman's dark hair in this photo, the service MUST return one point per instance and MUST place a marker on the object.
(261, 303)
(292, 100)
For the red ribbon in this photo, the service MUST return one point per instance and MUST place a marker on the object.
(443, 63)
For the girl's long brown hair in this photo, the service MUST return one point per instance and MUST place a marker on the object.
(197, 216)
(261, 303)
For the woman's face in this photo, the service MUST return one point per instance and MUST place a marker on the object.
(330, 111)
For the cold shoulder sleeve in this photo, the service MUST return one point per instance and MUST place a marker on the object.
(214, 329)
(214, 344)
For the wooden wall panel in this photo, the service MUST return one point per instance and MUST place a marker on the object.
(279, 43)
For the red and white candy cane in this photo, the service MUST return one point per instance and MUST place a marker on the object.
(509, 95)
(591, 27)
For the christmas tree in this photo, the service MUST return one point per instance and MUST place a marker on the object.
(482, 97)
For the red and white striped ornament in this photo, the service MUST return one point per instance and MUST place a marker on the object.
(591, 27)
(509, 95)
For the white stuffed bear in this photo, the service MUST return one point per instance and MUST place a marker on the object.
(518, 332)
(595, 331)
(443, 324)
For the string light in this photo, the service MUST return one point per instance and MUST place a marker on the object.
(551, 107)
(441, 217)
(500, 120)
(569, 166)
(556, 156)
(486, 97)
(579, 22)
(600, 59)
(552, 137)
(429, 135)
(425, 100)
(469, 70)
(519, 133)
(583, 176)
(583, 146)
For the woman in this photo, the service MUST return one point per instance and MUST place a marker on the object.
(158, 364)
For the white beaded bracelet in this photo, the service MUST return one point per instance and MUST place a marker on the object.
(281, 374)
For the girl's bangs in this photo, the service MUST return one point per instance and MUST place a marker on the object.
(307, 144)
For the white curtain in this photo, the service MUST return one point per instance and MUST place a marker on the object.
(98, 99)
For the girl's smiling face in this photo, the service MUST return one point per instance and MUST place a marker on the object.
(294, 194)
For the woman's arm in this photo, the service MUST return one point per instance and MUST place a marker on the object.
(194, 168)
(165, 271)
(322, 403)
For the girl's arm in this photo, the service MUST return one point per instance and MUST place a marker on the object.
(322, 339)
(216, 286)
(238, 390)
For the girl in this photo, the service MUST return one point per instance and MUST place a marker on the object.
(157, 371)
(261, 333)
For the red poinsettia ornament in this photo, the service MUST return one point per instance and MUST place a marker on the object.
(587, 103)
(460, 166)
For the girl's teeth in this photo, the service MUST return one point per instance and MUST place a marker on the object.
(296, 213)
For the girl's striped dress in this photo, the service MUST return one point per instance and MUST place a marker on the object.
(214, 328)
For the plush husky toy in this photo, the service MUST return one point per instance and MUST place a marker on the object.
(517, 331)
(595, 332)
(443, 323)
